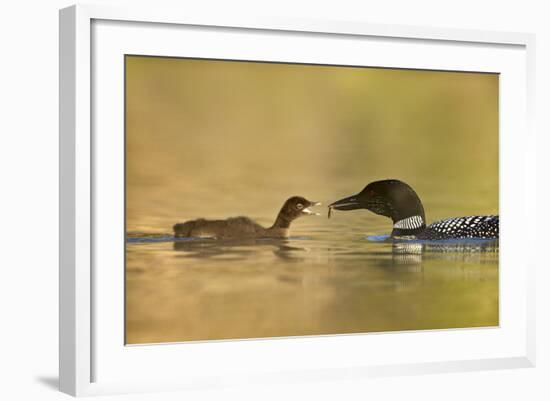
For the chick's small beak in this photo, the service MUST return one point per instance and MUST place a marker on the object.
(309, 212)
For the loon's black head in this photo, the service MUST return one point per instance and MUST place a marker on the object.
(391, 198)
(297, 206)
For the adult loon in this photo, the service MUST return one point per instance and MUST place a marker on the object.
(243, 227)
(398, 201)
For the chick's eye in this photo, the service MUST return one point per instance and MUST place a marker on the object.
(300, 206)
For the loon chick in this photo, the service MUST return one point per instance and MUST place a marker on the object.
(243, 227)
(398, 201)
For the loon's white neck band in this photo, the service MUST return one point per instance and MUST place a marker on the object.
(410, 223)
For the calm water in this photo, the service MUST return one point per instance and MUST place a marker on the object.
(220, 139)
(328, 278)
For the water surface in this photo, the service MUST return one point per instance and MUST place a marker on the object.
(326, 279)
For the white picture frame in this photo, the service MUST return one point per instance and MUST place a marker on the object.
(82, 344)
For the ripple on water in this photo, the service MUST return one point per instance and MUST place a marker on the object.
(316, 282)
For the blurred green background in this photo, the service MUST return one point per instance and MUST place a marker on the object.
(219, 137)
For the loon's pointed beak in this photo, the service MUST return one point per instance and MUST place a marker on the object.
(309, 212)
(349, 203)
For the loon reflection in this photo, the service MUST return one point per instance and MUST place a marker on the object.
(413, 252)
(402, 252)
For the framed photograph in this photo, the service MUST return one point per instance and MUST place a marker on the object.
(278, 200)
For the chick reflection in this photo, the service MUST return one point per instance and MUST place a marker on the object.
(239, 249)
